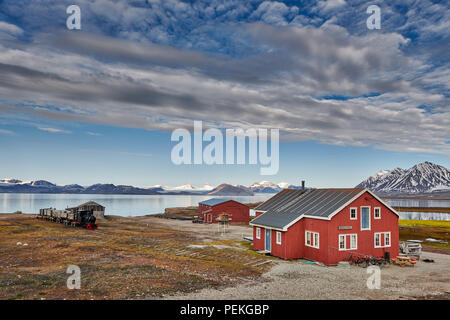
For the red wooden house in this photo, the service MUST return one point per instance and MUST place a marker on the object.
(210, 210)
(325, 225)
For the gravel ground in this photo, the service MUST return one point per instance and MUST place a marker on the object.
(299, 280)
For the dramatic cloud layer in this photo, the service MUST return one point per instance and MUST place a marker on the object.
(312, 70)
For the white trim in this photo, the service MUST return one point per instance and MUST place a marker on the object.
(258, 233)
(345, 235)
(265, 227)
(379, 212)
(387, 233)
(356, 213)
(311, 236)
(356, 241)
(339, 242)
(370, 209)
(278, 234)
(375, 240)
(382, 235)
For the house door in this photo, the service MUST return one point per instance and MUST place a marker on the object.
(268, 240)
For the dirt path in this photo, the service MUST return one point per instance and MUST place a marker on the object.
(299, 280)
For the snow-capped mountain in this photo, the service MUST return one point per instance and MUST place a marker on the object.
(269, 187)
(423, 177)
(189, 187)
(42, 186)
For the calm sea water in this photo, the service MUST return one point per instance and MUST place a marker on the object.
(123, 205)
(137, 205)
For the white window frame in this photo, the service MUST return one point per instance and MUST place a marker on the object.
(311, 236)
(355, 236)
(345, 235)
(258, 233)
(316, 240)
(379, 213)
(308, 237)
(387, 235)
(382, 235)
(278, 237)
(356, 213)
(339, 243)
(363, 229)
(375, 239)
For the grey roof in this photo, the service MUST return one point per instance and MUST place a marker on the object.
(89, 203)
(280, 198)
(215, 201)
(288, 207)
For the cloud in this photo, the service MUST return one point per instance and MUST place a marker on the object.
(7, 132)
(234, 63)
(9, 31)
(93, 133)
(53, 130)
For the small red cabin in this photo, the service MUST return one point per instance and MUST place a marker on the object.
(326, 225)
(210, 210)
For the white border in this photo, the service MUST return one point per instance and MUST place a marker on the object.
(370, 216)
(345, 235)
(379, 210)
(277, 233)
(356, 216)
(313, 242)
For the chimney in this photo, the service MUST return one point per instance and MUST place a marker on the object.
(303, 185)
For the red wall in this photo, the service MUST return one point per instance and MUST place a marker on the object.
(387, 223)
(293, 241)
(238, 212)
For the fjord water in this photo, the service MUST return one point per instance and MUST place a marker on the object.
(138, 205)
(121, 205)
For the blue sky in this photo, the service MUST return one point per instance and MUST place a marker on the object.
(99, 104)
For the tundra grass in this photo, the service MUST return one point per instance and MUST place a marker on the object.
(424, 229)
(120, 260)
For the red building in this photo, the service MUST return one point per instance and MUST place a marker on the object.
(325, 225)
(210, 210)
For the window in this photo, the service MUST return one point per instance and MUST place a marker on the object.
(382, 235)
(353, 241)
(377, 213)
(308, 238)
(377, 240)
(278, 237)
(258, 233)
(341, 242)
(353, 213)
(387, 239)
(312, 239)
(365, 218)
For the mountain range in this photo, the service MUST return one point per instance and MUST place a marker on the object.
(43, 186)
(423, 178)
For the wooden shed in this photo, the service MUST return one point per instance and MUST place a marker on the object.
(211, 209)
(98, 209)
